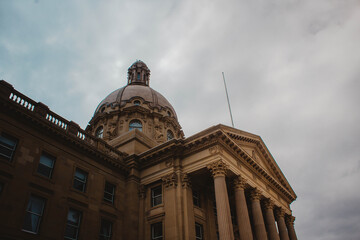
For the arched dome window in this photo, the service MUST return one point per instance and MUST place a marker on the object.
(135, 124)
(99, 132)
(137, 102)
(169, 135)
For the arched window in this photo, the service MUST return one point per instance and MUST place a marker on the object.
(99, 132)
(135, 124)
(137, 102)
(169, 135)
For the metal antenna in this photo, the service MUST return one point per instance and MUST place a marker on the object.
(227, 96)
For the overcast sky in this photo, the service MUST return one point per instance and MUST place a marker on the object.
(292, 69)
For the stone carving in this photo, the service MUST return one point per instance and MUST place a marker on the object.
(289, 220)
(169, 163)
(255, 194)
(170, 180)
(269, 204)
(218, 168)
(215, 150)
(279, 213)
(239, 182)
(158, 133)
(253, 155)
(112, 130)
(185, 180)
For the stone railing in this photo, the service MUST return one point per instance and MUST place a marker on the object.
(40, 110)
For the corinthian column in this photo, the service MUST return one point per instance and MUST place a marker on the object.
(270, 220)
(281, 224)
(290, 226)
(242, 214)
(218, 170)
(259, 225)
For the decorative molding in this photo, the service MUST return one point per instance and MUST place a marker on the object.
(185, 180)
(170, 180)
(255, 194)
(215, 150)
(239, 182)
(279, 213)
(218, 168)
(289, 220)
(269, 204)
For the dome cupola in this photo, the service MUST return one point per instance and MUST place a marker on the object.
(135, 107)
(138, 73)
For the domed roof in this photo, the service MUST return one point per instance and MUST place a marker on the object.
(126, 94)
(137, 87)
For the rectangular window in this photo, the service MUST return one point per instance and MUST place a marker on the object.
(80, 179)
(156, 196)
(105, 230)
(156, 231)
(109, 192)
(73, 224)
(7, 146)
(46, 165)
(199, 231)
(196, 198)
(34, 212)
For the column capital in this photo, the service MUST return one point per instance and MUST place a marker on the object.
(279, 213)
(218, 168)
(239, 182)
(289, 220)
(269, 204)
(255, 194)
(185, 180)
(170, 180)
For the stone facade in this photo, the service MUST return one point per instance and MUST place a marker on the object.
(134, 181)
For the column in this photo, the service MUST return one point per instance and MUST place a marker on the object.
(270, 220)
(131, 210)
(142, 195)
(218, 170)
(188, 215)
(258, 219)
(242, 214)
(281, 224)
(289, 220)
(171, 230)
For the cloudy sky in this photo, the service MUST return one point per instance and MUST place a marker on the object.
(292, 69)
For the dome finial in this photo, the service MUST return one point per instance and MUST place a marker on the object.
(138, 73)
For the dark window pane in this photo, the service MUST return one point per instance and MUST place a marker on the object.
(34, 212)
(156, 196)
(73, 224)
(7, 146)
(109, 192)
(196, 198)
(199, 231)
(46, 165)
(80, 180)
(156, 231)
(105, 230)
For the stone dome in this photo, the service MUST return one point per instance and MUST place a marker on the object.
(135, 106)
(127, 94)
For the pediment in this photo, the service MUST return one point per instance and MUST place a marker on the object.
(255, 148)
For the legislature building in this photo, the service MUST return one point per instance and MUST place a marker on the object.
(131, 174)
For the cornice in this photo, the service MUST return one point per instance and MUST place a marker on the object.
(38, 115)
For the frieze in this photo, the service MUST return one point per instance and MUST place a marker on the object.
(215, 150)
